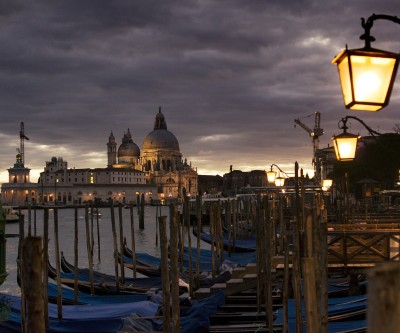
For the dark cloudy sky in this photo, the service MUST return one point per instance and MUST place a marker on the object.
(230, 75)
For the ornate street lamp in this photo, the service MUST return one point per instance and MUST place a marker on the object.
(273, 179)
(367, 75)
(279, 181)
(345, 144)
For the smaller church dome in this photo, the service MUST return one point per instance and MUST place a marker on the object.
(128, 147)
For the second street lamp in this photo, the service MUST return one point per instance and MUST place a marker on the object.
(367, 74)
(279, 181)
(345, 144)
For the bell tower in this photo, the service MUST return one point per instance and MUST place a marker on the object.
(111, 150)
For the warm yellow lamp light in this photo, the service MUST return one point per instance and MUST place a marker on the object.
(271, 176)
(366, 77)
(326, 184)
(279, 181)
(345, 145)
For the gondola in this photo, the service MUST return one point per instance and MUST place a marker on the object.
(237, 245)
(68, 296)
(142, 268)
(99, 287)
(102, 318)
(115, 317)
(139, 282)
(153, 263)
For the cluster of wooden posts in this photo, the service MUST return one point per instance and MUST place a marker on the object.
(305, 261)
(33, 258)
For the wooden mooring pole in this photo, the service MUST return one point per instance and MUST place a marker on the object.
(174, 229)
(383, 312)
(133, 244)
(57, 255)
(186, 215)
(260, 253)
(114, 234)
(199, 215)
(269, 245)
(21, 263)
(121, 242)
(89, 249)
(76, 291)
(212, 235)
(45, 268)
(141, 210)
(32, 254)
(162, 223)
(296, 265)
(98, 237)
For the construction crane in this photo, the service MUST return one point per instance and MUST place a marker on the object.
(22, 138)
(314, 133)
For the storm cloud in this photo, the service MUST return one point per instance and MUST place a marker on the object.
(230, 76)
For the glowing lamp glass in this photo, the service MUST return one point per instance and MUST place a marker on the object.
(366, 77)
(326, 184)
(279, 181)
(271, 176)
(345, 145)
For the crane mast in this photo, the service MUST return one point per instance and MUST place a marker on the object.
(22, 138)
(314, 133)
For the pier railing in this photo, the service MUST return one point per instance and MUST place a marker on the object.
(363, 245)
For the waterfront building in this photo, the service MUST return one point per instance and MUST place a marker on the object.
(19, 187)
(157, 171)
(210, 184)
(60, 185)
(237, 179)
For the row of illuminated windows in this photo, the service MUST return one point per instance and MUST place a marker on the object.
(125, 173)
(125, 179)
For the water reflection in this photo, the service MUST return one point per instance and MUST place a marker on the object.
(145, 239)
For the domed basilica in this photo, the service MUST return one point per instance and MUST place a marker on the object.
(160, 159)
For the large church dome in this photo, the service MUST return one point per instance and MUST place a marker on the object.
(128, 148)
(160, 137)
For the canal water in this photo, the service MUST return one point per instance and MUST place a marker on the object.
(145, 239)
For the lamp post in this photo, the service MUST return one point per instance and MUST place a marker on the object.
(3, 272)
(367, 74)
(55, 191)
(345, 144)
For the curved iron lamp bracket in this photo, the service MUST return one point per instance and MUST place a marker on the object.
(287, 176)
(367, 25)
(343, 125)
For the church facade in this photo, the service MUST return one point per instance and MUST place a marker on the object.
(157, 172)
(160, 159)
